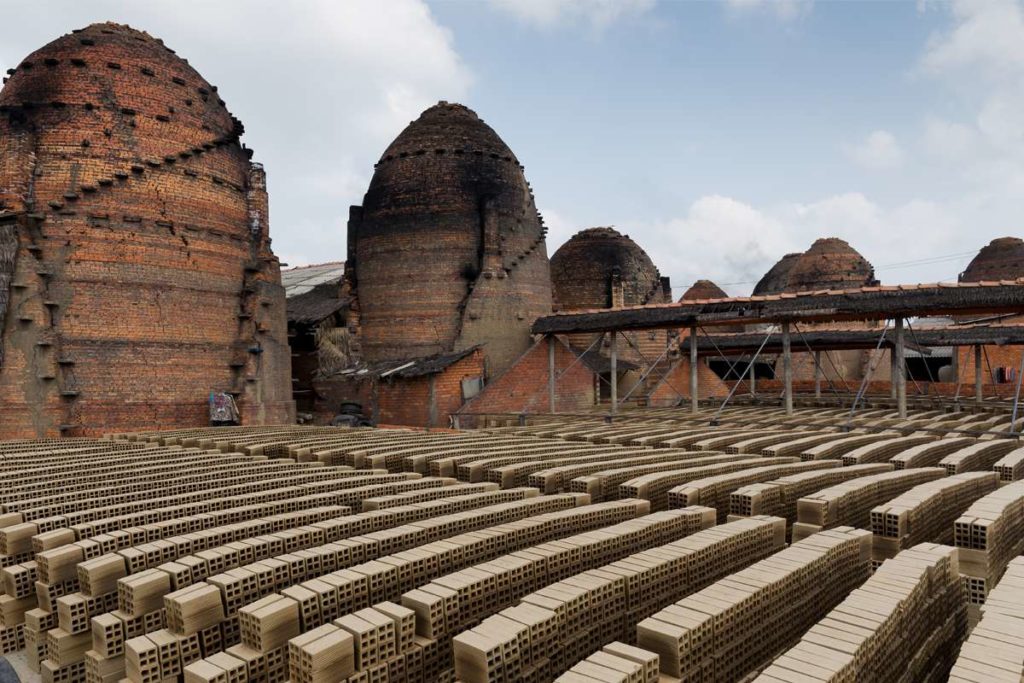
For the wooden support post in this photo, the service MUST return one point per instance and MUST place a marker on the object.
(978, 398)
(694, 381)
(615, 372)
(753, 378)
(787, 370)
(551, 373)
(817, 375)
(901, 371)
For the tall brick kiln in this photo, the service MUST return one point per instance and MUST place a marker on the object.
(135, 266)
(447, 251)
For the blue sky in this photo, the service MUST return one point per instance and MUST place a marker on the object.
(719, 135)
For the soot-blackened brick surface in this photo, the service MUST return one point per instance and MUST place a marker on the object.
(447, 250)
(144, 275)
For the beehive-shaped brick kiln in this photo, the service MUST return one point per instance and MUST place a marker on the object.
(447, 250)
(1000, 259)
(829, 263)
(135, 267)
(602, 268)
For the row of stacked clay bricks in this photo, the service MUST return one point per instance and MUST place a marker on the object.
(751, 419)
(103, 496)
(904, 623)
(926, 512)
(989, 534)
(994, 651)
(63, 568)
(552, 628)
(902, 508)
(735, 626)
(445, 598)
(199, 596)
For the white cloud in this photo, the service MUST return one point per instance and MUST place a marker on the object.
(987, 40)
(879, 150)
(322, 88)
(734, 243)
(949, 141)
(549, 14)
(783, 10)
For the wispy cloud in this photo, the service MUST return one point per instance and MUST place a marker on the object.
(595, 14)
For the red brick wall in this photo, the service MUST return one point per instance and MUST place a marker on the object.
(145, 277)
(676, 385)
(402, 400)
(524, 386)
(408, 401)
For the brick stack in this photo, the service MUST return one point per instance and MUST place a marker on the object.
(929, 454)
(883, 450)
(904, 624)
(232, 602)
(779, 497)
(737, 624)
(655, 487)
(615, 663)
(304, 606)
(1011, 466)
(606, 484)
(850, 503)
(979, 456)
(995, 649)
(926, 512)
(551, 629)
(715, 491)
(989, 535)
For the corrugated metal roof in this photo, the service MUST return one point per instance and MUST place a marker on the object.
(304, 278)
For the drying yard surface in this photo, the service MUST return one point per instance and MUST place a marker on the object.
(811, 547)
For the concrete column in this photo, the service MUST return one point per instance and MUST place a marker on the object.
(753, 378)
(787, 370)
(893, 379)
(901, 371)
(977, 375)
(817, 375)
(551, 373)
(694, 381)
(615, 372)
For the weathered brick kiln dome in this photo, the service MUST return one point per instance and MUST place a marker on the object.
(1000, 259)
(140, 272)
(830, 263)
(703, 289)
(774, 281)
(591, 265)
(447, 250)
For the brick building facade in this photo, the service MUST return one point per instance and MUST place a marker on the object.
(135, 263)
